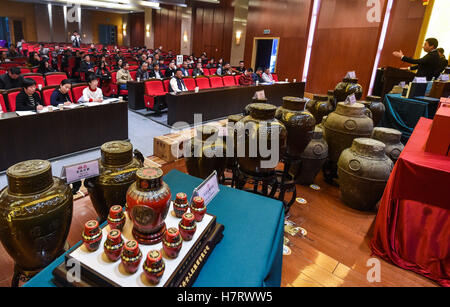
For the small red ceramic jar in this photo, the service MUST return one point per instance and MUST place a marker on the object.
(154, 266)
(92, 235)
(172, 242)
(187, 226)
(198, 208)
(131, 256)
(114, 245)
(116, 217)
(180, 205)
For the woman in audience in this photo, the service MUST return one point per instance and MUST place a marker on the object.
(123, 76)
(28, 99)
(102, 73)
(34, 59)
(3, 57)
(118, 64)
(92, 93)
(44, 67)
(61, 95)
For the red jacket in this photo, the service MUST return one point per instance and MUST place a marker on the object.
(245, 80)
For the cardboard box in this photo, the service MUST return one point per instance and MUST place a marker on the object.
(439, 139)
(440, 89)
(167, 148)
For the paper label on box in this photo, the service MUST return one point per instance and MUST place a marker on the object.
(351, 99)
(402, 84)
(260, 95)
(76, 172)
(351, 74)
(444, 77)
(420, 80)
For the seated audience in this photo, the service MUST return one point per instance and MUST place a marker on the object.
(198, 71)
(191, 61)
(444, 62)
(12, 79)
(118, 65)
(156, 73)
(143, 73)
(34, 59)
(170, 72)
(87, 67)
(44, 67)
(185, 69)
(104, 75)
(211, 64)
(92, 49)
(176, 83)
(241, 67)
(123, 76)
(61, 94)
(92, 93)
(246, 78)
(257, 76)
(162, 65)
(28, 99)
(12, 52)
(225, 70)
(267, 76)
(3, 57)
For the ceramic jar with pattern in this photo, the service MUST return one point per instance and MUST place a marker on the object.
(154, 267)
(131, 256)
(319, 107)
(390, 138)
(347, 87)
(113, 245)
(376, 107)
(172, 242)
(363, 171)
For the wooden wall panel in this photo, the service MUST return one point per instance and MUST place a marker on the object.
(167, 28)
(344, 41)
(403, 31)
(286, 19)
(137, 29)
(212, 29)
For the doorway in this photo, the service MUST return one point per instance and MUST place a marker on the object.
(107, 34)
(5, 37)
(265, 53)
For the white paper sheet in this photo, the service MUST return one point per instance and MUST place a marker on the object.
(24, 113)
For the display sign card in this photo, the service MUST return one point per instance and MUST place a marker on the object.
(351, 74)
(259, 95)
(179, 59)
(402, 84)
(208, 189)
(444, 77)
(420, 80)
(351, 99)
(76, 172)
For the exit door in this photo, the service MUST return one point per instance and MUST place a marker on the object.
(265, 53)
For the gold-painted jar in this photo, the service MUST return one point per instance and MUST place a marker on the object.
(117, 172)
(35, 215)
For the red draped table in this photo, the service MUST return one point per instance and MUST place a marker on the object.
(412, 228)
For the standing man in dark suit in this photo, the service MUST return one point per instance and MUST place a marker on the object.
(429, 65)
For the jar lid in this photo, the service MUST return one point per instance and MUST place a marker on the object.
(28, 177)
(114, 234)
(373, 98)
(320, 97)
(350, 80)
(262, 110)
(368, 147)
(294, 103)
(181, 198)
(153, 256)
(131, 246)
(117, 153)
(318, 133)
(148, 178)
(90, 226)
(198, 202)
(115, 210)
(188, 218)
(172, 233)
(235, 118)
(356, 109)
(386, 135)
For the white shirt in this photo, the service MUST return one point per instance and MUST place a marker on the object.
(267, 78)
(174, 85)
(88, 94)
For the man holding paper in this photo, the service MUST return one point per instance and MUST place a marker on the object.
(429, 65)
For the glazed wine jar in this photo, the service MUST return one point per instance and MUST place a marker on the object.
(148, 202)
(35, 215)
(172, 242)
(154, 267)
(319, 107)
(376, 107)
(187, 226)
(117, 172)
(113, 245)
(347, 87)
(299, 125)
(92, 235)
(131, 256)
(180, 205)
(363, 171)
(390, 138)
(116, 217)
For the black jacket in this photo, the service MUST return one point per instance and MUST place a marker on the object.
(7, 83)
(25, 103)
(142, 75)
(170, 73)
(197, 72)
(153, 75)
(428, 66)
(58, 97)
(444, 64)
(102, 73)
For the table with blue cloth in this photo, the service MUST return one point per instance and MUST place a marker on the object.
(403, 113)
(250, 253)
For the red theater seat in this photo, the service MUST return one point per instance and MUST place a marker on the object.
(166, 83)
(47, 94)
(229, 81)
(77, 91)
(206, 72)
(275, 77)
(212, 71)
(216, 81)
(12, 95)
(190, 83)
(202, 82)
(38, 78)
(153, 88)
(25, 70)
(190, 71)
(2, 103)
(133, 74)
(236, 79)
(54, 78)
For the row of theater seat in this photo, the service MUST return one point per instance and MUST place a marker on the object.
(9, 97)
(156, 87)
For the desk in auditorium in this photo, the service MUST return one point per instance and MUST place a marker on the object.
(59, 133)
(220, 102)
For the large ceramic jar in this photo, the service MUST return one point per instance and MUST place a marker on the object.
(363, 171)
(390, 138)
(313, 158)
(299, 124)
(35, 215)
(232, 139)
(207, 153)
(376, 107)
(319, 107)
(148, 201)
(248, 107)
(345, 124)
(117, 172)
(331, 98)
(347, 87)
(260, 126)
